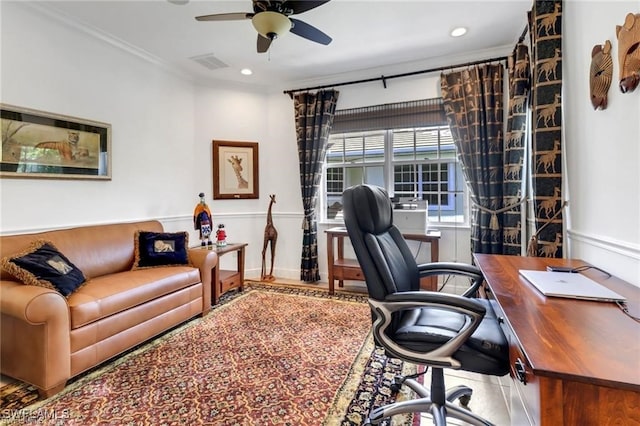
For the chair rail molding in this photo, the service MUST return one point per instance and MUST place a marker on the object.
(623, 248)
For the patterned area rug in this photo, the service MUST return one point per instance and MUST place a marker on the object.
(267, 356)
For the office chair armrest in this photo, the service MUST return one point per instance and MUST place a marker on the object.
(417, 299)
(473, 310)
(454, 268)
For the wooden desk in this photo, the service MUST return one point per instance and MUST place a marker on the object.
(348, 269)
(573, 362)
(225, 280)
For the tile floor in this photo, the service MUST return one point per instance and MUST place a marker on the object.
(487, 400)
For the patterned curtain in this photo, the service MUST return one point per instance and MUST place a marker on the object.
(473, 102)
(545, 30)
(514, 149)
(314, 114)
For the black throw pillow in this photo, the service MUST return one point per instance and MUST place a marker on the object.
(43, 265)
(153, 249)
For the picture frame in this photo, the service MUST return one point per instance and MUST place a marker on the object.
(235, 170)
(38, 144)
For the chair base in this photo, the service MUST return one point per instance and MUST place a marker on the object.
(425, 404)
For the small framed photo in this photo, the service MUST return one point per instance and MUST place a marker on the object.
(37, 144)
(235, 170)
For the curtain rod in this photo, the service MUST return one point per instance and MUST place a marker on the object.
(389, 77)
(524, 33)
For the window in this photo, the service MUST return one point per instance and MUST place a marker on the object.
(417, 165)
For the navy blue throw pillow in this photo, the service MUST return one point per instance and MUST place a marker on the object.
(44, 266)
(154, 249)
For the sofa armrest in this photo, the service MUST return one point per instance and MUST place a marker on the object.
(35, 341)
(205, 261)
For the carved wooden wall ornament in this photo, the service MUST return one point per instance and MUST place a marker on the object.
(600, 74)
(629, 52)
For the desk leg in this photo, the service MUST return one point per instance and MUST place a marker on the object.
(435, 255)
(330, 262)
(241, 267)
(340, 255)
(215, 283)
(431, 283)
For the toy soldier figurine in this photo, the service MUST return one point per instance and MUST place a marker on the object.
(221, 236)
(202, 221)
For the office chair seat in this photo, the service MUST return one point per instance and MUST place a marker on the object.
(434, 329)
(426, 329)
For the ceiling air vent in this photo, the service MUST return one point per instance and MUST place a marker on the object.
(209, 61)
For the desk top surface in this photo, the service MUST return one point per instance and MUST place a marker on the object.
(588, 341)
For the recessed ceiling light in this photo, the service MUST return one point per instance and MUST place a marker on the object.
(457, 32)
(246, 71)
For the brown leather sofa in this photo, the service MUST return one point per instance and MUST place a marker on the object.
(47, 339)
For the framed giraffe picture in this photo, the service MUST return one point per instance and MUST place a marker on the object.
(38, 144)
(235, 170)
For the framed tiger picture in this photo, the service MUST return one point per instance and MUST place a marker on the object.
(38, 144)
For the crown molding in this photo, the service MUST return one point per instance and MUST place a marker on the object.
(51, 12)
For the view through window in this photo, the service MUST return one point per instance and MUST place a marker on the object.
(418, 166)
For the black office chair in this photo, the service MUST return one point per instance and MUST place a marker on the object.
(434, 329)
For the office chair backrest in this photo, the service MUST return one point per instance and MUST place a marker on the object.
(384, 257)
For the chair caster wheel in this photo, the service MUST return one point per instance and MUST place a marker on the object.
(464, 400)
(397, 383)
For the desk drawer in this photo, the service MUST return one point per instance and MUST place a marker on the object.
(229, 280)
(525, 388)
(524, 400)
(348, 272)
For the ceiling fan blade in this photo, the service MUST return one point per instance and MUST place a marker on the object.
(299, 6)
(263, 44)
(309, 32)
(225, 17)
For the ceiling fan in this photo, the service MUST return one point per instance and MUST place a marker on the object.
(271, 18)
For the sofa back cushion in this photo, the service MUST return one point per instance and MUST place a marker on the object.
(96, 250)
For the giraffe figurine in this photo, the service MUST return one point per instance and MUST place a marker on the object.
(236, 164)
(270, 237)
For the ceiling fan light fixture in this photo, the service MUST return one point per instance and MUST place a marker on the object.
(271, 24)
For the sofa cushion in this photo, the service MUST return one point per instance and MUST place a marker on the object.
(154, 249)
(110, 294)
(43, 265)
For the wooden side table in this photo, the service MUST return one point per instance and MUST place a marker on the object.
(225, 280)
(342, 269)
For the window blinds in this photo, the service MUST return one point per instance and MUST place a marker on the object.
(400, 115)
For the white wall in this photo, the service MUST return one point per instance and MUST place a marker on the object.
(240, 115)
(163, 126)
(602, 148)
(57, 69)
